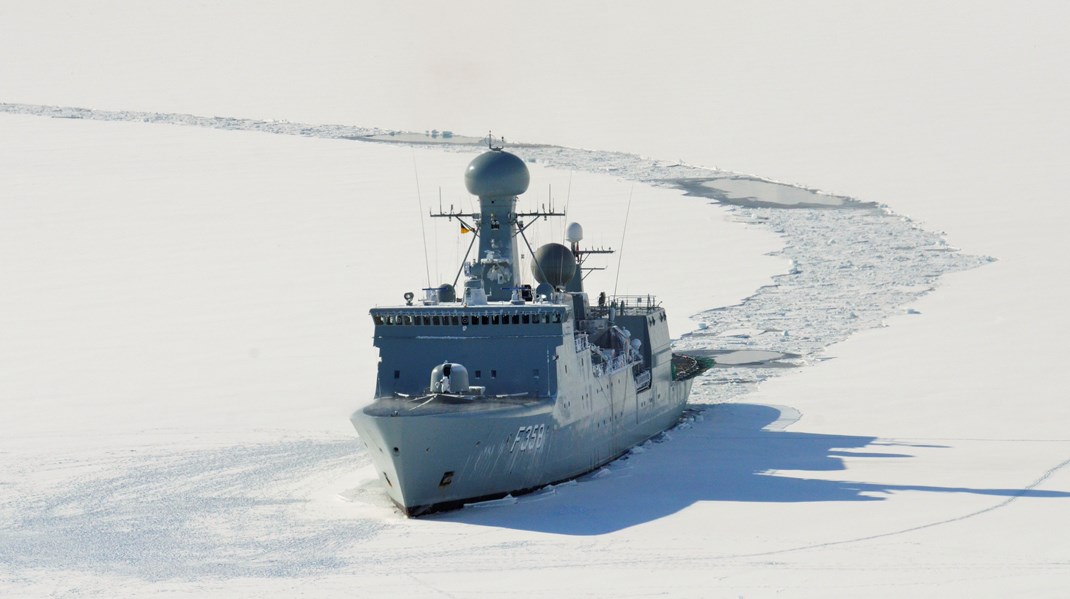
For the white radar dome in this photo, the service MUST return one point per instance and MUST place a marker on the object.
(574, 233)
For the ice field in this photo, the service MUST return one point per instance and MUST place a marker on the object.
(190, 239)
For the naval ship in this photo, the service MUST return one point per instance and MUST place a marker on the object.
(504, 388)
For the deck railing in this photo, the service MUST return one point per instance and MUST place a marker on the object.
(625, 304)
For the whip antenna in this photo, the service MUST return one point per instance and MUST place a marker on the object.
(568, 196)
(423, 230)
(438, 271)
(620, 253)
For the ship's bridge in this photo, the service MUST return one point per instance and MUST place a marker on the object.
(507, 348)
(490, 314)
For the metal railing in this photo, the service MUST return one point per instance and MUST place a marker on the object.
(582, 342)
(625, 304)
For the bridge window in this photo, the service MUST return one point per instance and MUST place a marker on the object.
(435, 320)
(516, 319)
(495, 319)
(525, 319)
(455, 321)
(485, 319)
(378, 319)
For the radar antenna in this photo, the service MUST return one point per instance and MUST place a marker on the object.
(490, 142)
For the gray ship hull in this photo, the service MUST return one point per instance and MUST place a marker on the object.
(439, 452)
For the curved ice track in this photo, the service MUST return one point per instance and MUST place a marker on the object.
(853, 265)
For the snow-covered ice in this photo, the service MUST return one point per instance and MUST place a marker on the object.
(183, 310)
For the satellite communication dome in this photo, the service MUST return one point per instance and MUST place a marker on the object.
(557, 263)
(574, 233)
(496, 173)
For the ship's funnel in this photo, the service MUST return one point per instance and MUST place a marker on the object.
(554, 264)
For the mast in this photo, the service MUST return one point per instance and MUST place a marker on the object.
(497, 178)
(574, 235)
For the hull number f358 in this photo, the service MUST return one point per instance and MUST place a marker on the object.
(529, 437)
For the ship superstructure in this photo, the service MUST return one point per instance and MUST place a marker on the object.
(500, 387)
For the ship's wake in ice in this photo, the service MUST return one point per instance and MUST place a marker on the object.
(231, 512)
